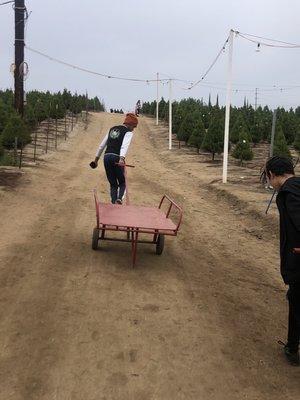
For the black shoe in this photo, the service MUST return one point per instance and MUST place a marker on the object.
(119, 201)
(291, 355)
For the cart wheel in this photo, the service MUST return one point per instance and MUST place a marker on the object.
(95, 239)
(160, 244)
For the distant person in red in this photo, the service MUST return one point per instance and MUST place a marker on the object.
(116, 143)
(138, 107)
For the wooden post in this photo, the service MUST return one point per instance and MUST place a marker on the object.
(16, 151)
(66, 126)
(56, 133)
(19, 8)
(34, 150)
(47, 135)
(21, 156)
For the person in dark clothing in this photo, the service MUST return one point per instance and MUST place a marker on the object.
(116, 142)
(281, 175)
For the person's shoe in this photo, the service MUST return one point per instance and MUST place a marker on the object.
(291, 356)
(119, 201)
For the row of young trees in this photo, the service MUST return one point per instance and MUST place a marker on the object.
(202, 125)
(39, 106)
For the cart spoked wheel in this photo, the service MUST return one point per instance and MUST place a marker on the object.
(160, 244)
(95, 239)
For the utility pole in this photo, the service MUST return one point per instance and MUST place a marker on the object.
(170, 114)
(86, 106)
(273, 133)
(19, 55)
(228, 104)
(256, 95)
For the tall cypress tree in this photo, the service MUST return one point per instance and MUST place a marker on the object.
(280, 145)
(242, 150)
(297, 139)
(197, 135)
(214, 139)
(238, 127)
(185, 129)
(255, 132)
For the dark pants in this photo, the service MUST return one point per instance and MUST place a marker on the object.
(293, 296)
(115, 176)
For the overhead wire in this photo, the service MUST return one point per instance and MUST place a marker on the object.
(282, 44)
(211, 66)
(271, 88)
(90, 71)
(269, 39)
(7, 2)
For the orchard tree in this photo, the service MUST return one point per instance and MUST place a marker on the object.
(177, 119)
(186, 128)
(297, 140)
(280, 145)
(255, 132)
(214, 137)
(1, 148)
(15, 128)
(239, 127)
(161, 108)
(242, 150)
(197, 135)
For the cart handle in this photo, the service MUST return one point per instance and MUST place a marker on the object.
(125, 165)
(172, 204)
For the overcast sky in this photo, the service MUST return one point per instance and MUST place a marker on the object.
(140, 38)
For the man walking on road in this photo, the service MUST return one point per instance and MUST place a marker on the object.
(116, 142)
(280, 172)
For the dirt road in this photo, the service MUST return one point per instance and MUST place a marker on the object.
(199, 322)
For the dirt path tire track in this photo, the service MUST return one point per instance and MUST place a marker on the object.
(201, 321)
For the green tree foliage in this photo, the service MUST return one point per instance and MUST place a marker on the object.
(255, 133)
(161, 108)
(1, 149)
(197, 134)
(242, 150)
(186, 128)
(15, 128)
(297, 140)
(178, 116)
(214, 137)
(280, 145)
(289, 124)
(239, 127)
(257, 124)
(39, 106)
(3, 116)
(191, 125)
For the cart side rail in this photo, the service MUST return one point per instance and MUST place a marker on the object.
(172, 205)
(97, 207)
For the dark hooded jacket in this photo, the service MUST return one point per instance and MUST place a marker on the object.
(288, 203)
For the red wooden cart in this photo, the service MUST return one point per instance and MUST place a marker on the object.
(135, 220)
